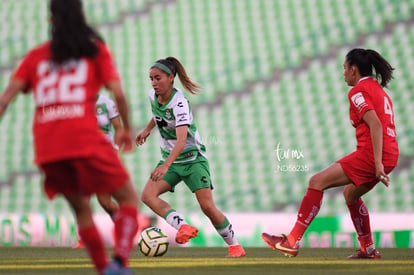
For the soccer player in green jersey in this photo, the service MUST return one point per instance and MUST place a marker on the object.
(183, 155)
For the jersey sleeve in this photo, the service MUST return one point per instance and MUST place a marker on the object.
(182, 113)
(106, 65)
(360, 102)
(22, 72)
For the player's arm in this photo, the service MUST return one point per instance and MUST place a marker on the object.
(116, 123)
(119, 96)
(150, 125)
(160, 171)
(10, 92)
(142, 136)
(375, 127)
(124, 137)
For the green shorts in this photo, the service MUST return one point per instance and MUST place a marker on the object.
(195, 174)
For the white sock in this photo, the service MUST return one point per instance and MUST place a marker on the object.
(226, 232)
(174, 219)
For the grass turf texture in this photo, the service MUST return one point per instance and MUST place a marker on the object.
(183, 261)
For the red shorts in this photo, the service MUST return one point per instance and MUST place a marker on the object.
(360, 169)
(101, 173)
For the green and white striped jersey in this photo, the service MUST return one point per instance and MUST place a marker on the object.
(176, 112)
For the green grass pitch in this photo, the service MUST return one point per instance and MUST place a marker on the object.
(211, 261)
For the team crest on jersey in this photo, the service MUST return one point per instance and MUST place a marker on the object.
(168, 114)
(99, 110)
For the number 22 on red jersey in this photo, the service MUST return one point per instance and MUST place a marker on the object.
(61, 84)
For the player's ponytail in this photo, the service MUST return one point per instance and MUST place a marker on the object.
(366, 59)
(383, 69)
(172, 66)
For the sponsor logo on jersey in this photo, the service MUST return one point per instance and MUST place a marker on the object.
(182, 117)
(52, 113)
(359, 101)
(160, 122)
(115, 109)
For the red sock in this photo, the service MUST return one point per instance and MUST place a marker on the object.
(126, 226)
(94, 246)
(360, 218)
(308, 209)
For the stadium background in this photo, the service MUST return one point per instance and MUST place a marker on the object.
(273, 110)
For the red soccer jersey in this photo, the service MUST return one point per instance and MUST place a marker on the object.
(64, 124)
(369, 95)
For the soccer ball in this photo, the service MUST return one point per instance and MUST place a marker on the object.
(153, 242)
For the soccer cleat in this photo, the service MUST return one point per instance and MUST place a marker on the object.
(364, 255)
(79, 245)
(272, 240)
(114, 268)
(280, 243)
(185, 233)
(286, 248)
(236, 251)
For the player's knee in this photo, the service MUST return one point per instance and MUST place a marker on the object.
(144, 198)
(79, 210)
(106, 205)
(79, 205)
(147, 197)
(126, 195)
(315, 182)
(103, 201)
(350, 196)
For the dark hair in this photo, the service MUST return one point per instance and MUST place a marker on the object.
(72, 37)
(177, 68)
(365, 59)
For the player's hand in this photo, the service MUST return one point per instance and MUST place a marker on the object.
(142, 137)
(381, 175)
(123, 139)
(159, 172)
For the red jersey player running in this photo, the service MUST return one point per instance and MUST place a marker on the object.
(65, 75)
(372, 115)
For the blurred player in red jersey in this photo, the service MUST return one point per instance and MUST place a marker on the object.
(376, 155)
(109, 122)
(65, 75)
